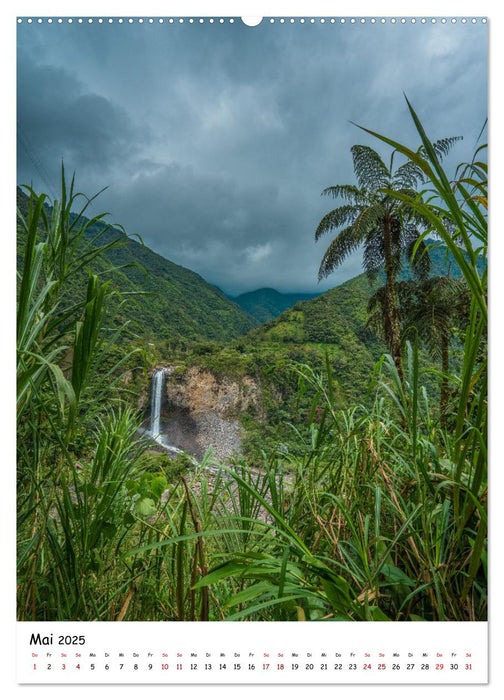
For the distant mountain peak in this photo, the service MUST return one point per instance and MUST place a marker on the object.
(266, 303)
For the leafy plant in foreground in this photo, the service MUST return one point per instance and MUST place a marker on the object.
(61, 345)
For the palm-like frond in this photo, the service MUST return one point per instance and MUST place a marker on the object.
(407, 175)
(372, 173)
(369, 220)
(336, 218)
(410, 174)
(373, 256)
(340, 247)
(443, 146)
(350, 193)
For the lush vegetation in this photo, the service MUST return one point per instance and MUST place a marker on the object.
(377, 511)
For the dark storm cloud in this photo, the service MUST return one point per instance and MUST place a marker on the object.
(216, 141)
(66, 122)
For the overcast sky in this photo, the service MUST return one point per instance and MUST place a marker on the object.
(215, 141)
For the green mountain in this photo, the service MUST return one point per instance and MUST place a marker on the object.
(266, 303)
(165, 300)
(332, 326)
(334, 322)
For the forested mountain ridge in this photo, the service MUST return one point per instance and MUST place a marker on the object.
(166, 300)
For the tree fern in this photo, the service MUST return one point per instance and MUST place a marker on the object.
(386, 227)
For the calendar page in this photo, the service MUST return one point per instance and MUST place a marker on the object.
(252, 330)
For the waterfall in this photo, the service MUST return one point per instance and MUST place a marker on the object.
(158, 379)
(158, 382)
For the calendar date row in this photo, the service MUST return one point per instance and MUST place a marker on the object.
(55, 666)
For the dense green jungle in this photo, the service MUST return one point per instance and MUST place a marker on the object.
(355, 485)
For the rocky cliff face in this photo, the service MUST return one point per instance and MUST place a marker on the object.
(198, 390)
(201, 411)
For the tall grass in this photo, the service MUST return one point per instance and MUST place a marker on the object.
(458, 217)
(63, 522)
